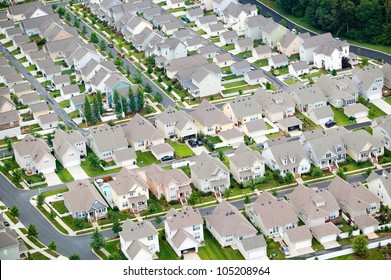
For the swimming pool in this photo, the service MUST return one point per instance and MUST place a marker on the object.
(106, 190)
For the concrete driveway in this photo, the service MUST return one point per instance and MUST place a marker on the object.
(372, 235)
(299, 252)
(193, 256)
(77, 172)
(52, 179)
(331, 244)
(383, 105)
(199, 149)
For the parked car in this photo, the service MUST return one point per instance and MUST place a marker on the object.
(6, 223)
(110, 45)
(185, 19)
(330, 123)
(294, 31)
(287, 76)
(50, 88)
(59, 195)
(121, 54)
(285, 250)
(192, 143)
(167, 158)
(252, 68)
(199, 143)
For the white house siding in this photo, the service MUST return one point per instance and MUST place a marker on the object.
(11, 132)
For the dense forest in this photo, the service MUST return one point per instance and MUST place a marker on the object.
(361, 20)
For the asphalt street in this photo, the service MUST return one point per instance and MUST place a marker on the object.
(277, 18)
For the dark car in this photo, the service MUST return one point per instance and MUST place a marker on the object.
(199, 142)
(110, 45)
(6, 223)
(192, 143)
(330, 123)
(167, 158)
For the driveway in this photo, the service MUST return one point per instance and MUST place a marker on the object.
(193, 256)
(363, 120)
(383, 105)
(331, 244)
(299, 252)
(52, 179)
(77, 172)
(199, 149)
(372, 235)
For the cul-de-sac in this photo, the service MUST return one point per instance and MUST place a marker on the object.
(195, 130)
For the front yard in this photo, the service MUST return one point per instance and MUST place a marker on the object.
(145, 158)
(181, 150)
(340, 117)
(166, 252)
(60, 207)
(93, 171)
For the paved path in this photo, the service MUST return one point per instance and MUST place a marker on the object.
(52, 179)
(77, 172)
(383, 105)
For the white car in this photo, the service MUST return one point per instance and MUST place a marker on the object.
(285, 250)
(287, 76)
(294, 31)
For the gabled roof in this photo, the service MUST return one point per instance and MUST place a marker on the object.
(257, 125)
(244, 157)
(384, 176)
(137, 230)
(276, 101)
(338, 88)
(208, 114)
(48, 118)
(288, 39)
(307, 94)
(108, 137)
(298, 234)
(322, 145)
(244, 106)
(280, 58)
(172, 116)
(300, 65)
(181, 236)
(317, 40)
(262, 49)
(257, 21)
(206, 166)
(182, 218)
(386, 69)
(253, 243)
(328, 48)
(367, 75)
(140, 128)
(127, 181)
(357, 140)
(240, 65)
(324, 230)
(244, 42)
(323, 112)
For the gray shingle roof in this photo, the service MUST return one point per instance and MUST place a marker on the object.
(206, 166)
(137, 230)
(253, 242)
(140, 128)
(181, 218)
(208, 114)
(298, 234)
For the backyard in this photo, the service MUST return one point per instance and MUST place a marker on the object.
(166, 252)
(181, 150)
(340, 117)
(145, 158)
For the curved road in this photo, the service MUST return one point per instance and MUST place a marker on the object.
(277, 17)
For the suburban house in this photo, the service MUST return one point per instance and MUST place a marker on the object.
(139, 240)
(242, 110)
(30, 98)
(299, 68)
(128, 191)
(176, 123)
(209, 119)
(231, 137)
(84, 202)
(313, 206)
(308, 45)
(69, 91)
(340, 91)
(255, 129)
(227, 224)
(194, 13)
(246, 164)
(273, 216)
(262, 52)
(48, 121)
(229, 37)
(168, 50)
(162, 150)
(105, 140)
(255, 77)
(28, 10)
(287, 157)
(188, 62)
(382, 132)
(325, 232)
(369, 80)
(173, 183)
(362, 146)
(10, 246)
(61, 81)
(204, 21)
(357, 111)
(253, 248)
(240, 67)
(307, 97)
(330, 55)
(272, 33)
(289, 44)
(244, 45)
(253, 26)
(379, 184)
(278, 61)
(69, 146)
(321, 115)
(235, 15)
(386, 69)
(215, 29)
(209, 174)
(175, 3)
(34, 155)
(218, 6)
(298, 238)
(184, 229)
(9, 123)
(276, 105)
(291, 126)
(141, 134)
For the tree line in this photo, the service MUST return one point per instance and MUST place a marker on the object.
(362, 20)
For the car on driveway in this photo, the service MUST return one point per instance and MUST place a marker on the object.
(285, 250)
(330, 123)
(121, 54)
(50, 88)
(110, 45)
(287, 76)
(167, 158)
(199, 143)
(192, 143)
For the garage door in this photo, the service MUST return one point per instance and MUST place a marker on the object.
(71, 163)
(47, 170)
(303, 244)
(328, 238)
(368, 230)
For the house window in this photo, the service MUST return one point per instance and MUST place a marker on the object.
(328, 155)
(210, 128)
(197, 236)
(173, 196)
(339, 149)
(196, 228)
(150, 238)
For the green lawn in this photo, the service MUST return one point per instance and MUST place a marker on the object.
(350, 164)
(60, 207)
(244, 55)
(340, 117)
(201, 32)
(261, 63)
(145, 158)
(281, 71)
(243, 88)
(32, 179)
(235, 84)
(226, 70)
(213, 250)
(273, 250)
(231, 77)
(38, 256)
(229, 47)
(291, 81)
(69, 221)
(65, 176)
(64, 104)
(111, 246)
(94, 171)
(316, 245)
(374, 111)
(308, 124)
(166, 252)
(74, 114)
(54, 192)
(12, 218)
(213, 139)
(186, 169)
(215, 39)
(181, 150)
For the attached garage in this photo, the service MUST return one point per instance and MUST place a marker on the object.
(298, 238)
(182, 242)
(366, 223)
(321, 115)
(253, 248)
(357, 110)
(325, 232)
(162, 150)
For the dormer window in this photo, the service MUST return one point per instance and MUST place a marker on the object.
(293, 159)
(339, 149)
(285, 161)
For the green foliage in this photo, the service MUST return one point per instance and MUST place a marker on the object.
(148, 88)
(289, 178)
(87, 110)
(140, 100)
(334, 72)
(118, 61)
(132, 101)
(227, 192)
(94, 38)
(268, 85)
(60, 11)
(32, 231)
(220, 155)
(52, 214)
(84, 30)
(96, 108)
(117, 102)
(149, 70)
(360, 245)
(124, 104)
(102, 45)
(16, 176)
(116, 228)
(97, 240)
(316, 172)
(80, 223)
(247, 199)
(40, 199)
(138, 78)
(364, 61)
(52, 246)
(94, 161)
(341, 174)
(283, 22)
(14, 210)
(110, 54)
(194, 197)
(74, 257)
(68, 17)
(158, 97)
(160, 79)
(158, 220)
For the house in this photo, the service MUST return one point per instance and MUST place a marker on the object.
(219, 6)
(241, 67)
(298, 238)
(326, 151)
(128, 191)
(184, 229)
(386, 69)
(253, 248)
(77, 102)
(79, 57)
(126, 157)
(235, 15)
(208, 51)
(272, 33)
(10, 33)
(170, 27)
(223, 60)
(362, 146)
(324, 233)
(21, 88)
(255, 129)
(287, 157)
(10, 246)
(382, 132)
(52, 71)
(175, 4)
(209, 119)
(354, 198)
(273, 216)
(228, 225)
(209, 174)
(246, 164)
(204, 21)
(307, 97)
(291, 126)
(308, 45)
(356, 111)
(105, 140)
(9, 124)
(69, 146)
(151, 13)
(162, 150)
(340, 91)
(188, 62)
(299, 68)
(141, 134)
(176, 123)
(48, 121)
(229, 37)
(61, 81)
(330, 55)
(33, 57)
(313, 206)
(84, 202)
(253, 26)
(215, 29)
(28, 10)
(278, 61)
(290, 43)
(39, 109)
(27, 48)
(255, 77)
(379, 184)
(134, 26)
(30, 98)
(13, 79)
(231, 137)
(262, 52)
(193, 44)
(6, 104)
(6, 24)
(21, 40)
(69, 91)
(242, 110)
(321, 115)
(276, 105)
(147, 36)
(194, 13)
(244, 45)
(369, 80)
(34, 155)
(139, 240)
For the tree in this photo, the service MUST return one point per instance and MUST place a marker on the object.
(79, 223)
(102, 45)
(158, 97)
(52, 214)
(364, 61)
(360, 245)
(87, 110)
(52, 246)
(16, 176)
(116, 225)
(94, 161)
(132, 101)
(7, 166)
(96, 108)
(160, 79)
(71, 2)
(116, 256)
(32, 231)
(68, 17)
(110, 54)
(268, 85)
(40, 199)
(259, 10)
(138, 78)
(193, 198)
(140, 100)
(97, 240)
(169, 88)
(148, 88)
(94, 38)
(61, 11)
(74, 257)
(54, 7)
(124, 104)
(269, 15)
(289, 178)
(283, 22)
(158, 220)
(84, 30)
(117, 102)
(247, 199)
(100, 102)
(14, 210)
(127, 70)
(8, 141)
(227, 192)
(220, 155)
(118, 61)
(316, 172)
(149, 70)
(334, 72)
(341, 174)
(274, 192)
